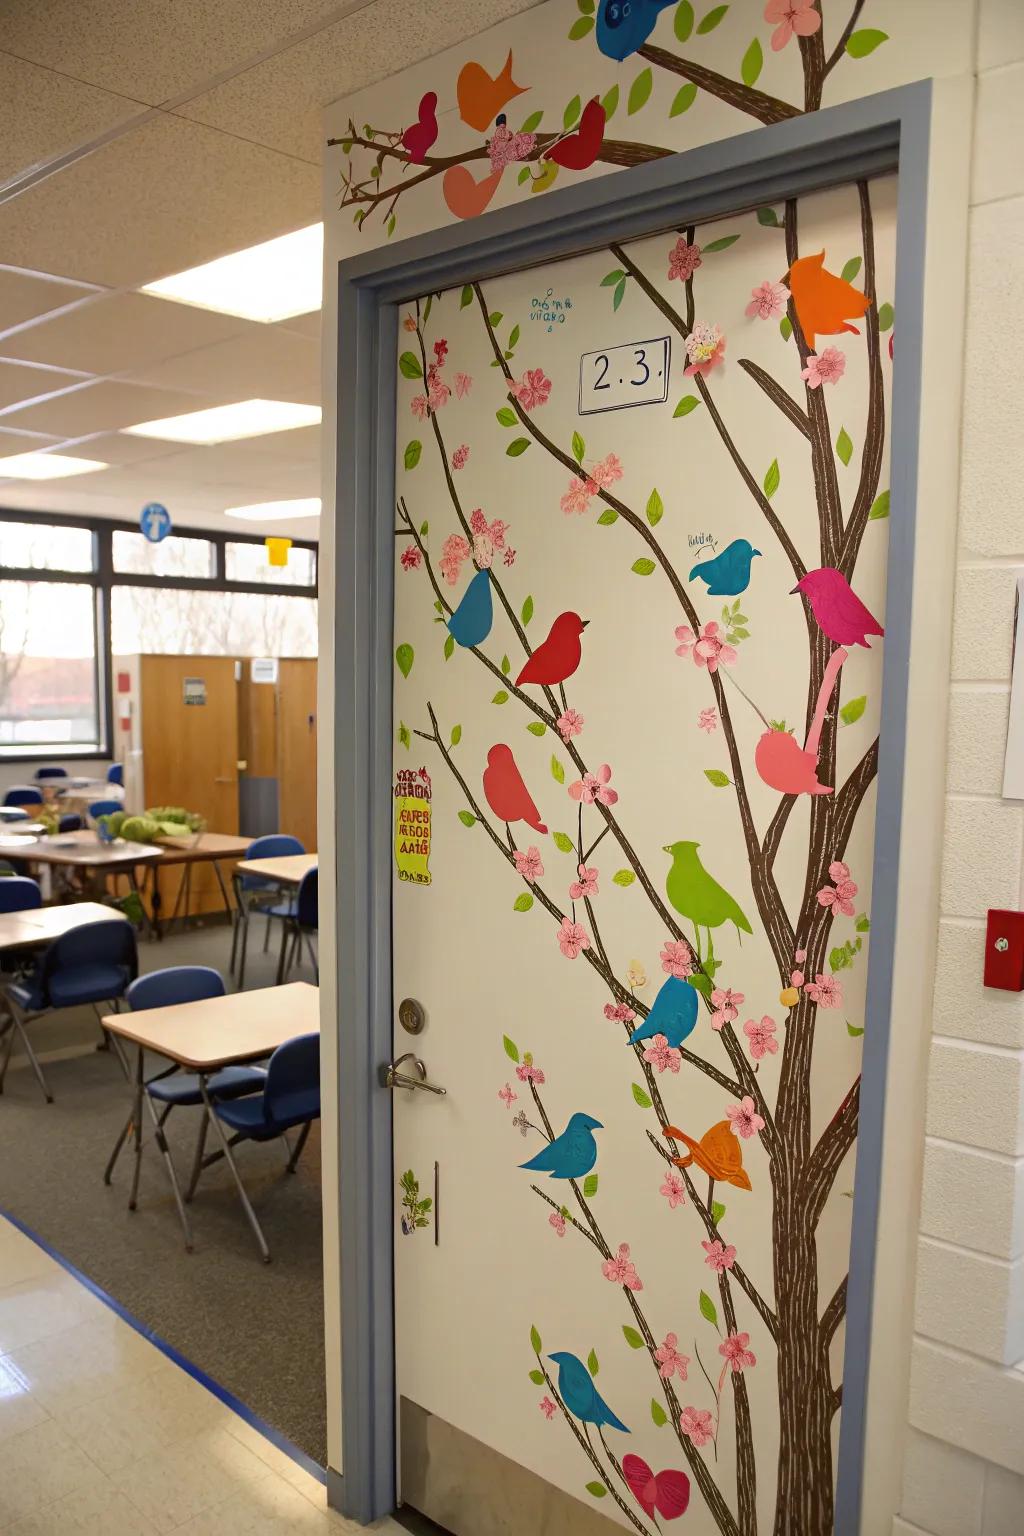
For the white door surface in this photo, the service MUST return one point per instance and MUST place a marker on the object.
(640, 568)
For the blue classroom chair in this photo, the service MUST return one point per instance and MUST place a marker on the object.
(104, 808)
(115, 774)
(42, 774)
(70, 823)
(22, 794)
(254, 894)
(301, 929)
(19, 894)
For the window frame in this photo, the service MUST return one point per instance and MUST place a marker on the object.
(103, 578)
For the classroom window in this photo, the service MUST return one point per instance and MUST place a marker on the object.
(250, 562)
(134, 555)
(46, 547)
(203, 623)
(49, 695)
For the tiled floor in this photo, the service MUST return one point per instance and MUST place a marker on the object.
(102, 1435)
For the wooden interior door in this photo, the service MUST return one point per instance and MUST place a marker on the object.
(296, 749)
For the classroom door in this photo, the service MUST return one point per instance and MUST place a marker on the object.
(640, 564)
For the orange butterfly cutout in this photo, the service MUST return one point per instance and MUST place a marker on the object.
(824, 303)
(718, 1153)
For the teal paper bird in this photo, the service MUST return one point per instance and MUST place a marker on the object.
(570, 1155)
(673, 1014)
(728, 574)
(695, 895)
(578, 1393)
(471, 621)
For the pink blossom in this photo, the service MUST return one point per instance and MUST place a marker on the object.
(797, 978)
(478, 520)
(572, 939)
(460, 456)
(707, 649)
(683, 260)
(547, 1407)
(585, 886)
(440, 350)
(767, 301)
(409, 323)
(619, 1013)
(719, 1257)
(793, 16)
(696, 1424)
(705, 347)
(670, 1361)
(607, 471)
(577, 497)
(532, 389)
(509, 557)
(799, 955)
(761, 1037)
(594, 786)
(826, 367)
(726, 1004)
(677, 958)
(838, 871)
(527, 1072)
(735, 1352)
(707, 720)
(506, 147)
(621, 1270)
(673, 1189)
(420, 406)
(840, 896)
(438, 394)
(507, 1095)
(454, 551)
(487, 537)
(569, 723)
(528, 864)
(826, 991)
(662, 1056)
(412, 558)
(463, 384)
(557, 1220)
(744, 1121)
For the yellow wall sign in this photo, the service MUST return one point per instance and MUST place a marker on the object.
(412, 825)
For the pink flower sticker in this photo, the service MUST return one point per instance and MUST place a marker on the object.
(419, 405)
(527, 1072)
(532, 389)
(761, 1037)
(460, 456)
(707, 648)
(726, 1005)
(662, 1056)
(670, 1361)
(547, 1407)
(557, 1220)
(767, 301)
(705, 347)
(528, 864)
(826, 991)
(683, 260)
(577, 498)
(673, 1189)
(585, 886)
(606, 472)
(619, 1013)
(735, 1352)
(454, 551)
(744, 1121)
(573, 939)
(507, 1095)
(719, 1257)
(794, 17)
(707, 720)
(695, 1424)
(463, 384)
(677, 959)
(621, 1270)
(412, 558)
(569, 723)
(827, 367)
(594, 787)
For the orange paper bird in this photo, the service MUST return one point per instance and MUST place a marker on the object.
(481, 96)
(465, 197)
(506, 794)
(718, 1152)
(825, 304)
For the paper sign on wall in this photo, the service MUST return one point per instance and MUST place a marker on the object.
(263, 669)
(618, 377)
(412, 796)
(193, 690)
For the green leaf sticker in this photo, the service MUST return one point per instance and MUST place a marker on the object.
(623, 877)
(711, 20)
(524, 175)
(886, 315)
(467, 296)
(658, 1415)
(720, 245)
(608, 516)
(592, 1365)
(687, 404)
(655, 509)
(557, 771)
(506, 417)
(563, 842)
(611, 278)
(590, 1186)
(571, 112)
(684, 20)
(536, 728)
(879, 507)
(531, 124)
(610, 103)
(768, 217)
(640, 1097)
(860, 44)
(523, 902)
(785, 327)
(449, 648)
(717, 1211)
(424, 529)
(642, 567)
(716, 777)
(467, 818)
(844, 446)
(517, 446)
(404, 656)
(853, 709)
(701, 982)
(597, 1489)
(639, 91)
(851, 1029)
(863, 923)
(633, 1339)
(456, 735)
(527, 613)
(684, 98)
(506, 665)
(405, 739)
(411, 457)
(495, 319)
(535, 1343)
(409, 366)
(579, 448)
(771, 479)
(501, 697)
(851, 269)
(708, 1309)
(753, 63)
(619, 294)
(513, 336)
(580, 27)
(511, 1049)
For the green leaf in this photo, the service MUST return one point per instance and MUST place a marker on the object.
(557, 771)
(702, 983)
(708, 1309)
(838, 958)
(633, 1339)
(879, 507)
(785, 327)
(495, 320)
(724, 243)
(711, 20)
(851, 269)
(851, 1029)
(403, 735)
(768, 217)
(404, 656)
(619, 294)
(511, 1049)
(641, 1097)
(590, 1189)
(506, 417)
(412, 453)
(753, 63)
(716, 777)
(523, 902)
(658, 1415)
(608, 516)
(536, 728)
(844, 445)
(771, 479)
(467, 818)
(506, 665)
(537, 1377)
(611, 278)
(501, 697)
(527, 613)
(623, 877)
(687, 404)
(684, 20)
(563, 842)
(639, 91)
(513, 336)
(532, 123)
(517, 446)
(886, 315)
(684, 100)
(655, 508)
(571, 112)
(592, 1365)
(580, 28)
(610, 103)
(467, 296)
(524, 175)
(456, 735)
(643, 566)
(579, 448)
(424, 529)
(853, 709)
(409, 366)
(863, 923)
(597, 1489)
(717, 1211)
(449, 648)
(860, 44)
(535, 1343)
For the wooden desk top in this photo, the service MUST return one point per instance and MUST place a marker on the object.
(287, 870)
(211, 845)
(218, 1031)
(20, 930)
(85, 848)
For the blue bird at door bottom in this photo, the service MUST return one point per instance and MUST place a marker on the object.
(578, 1393)
(471, 621)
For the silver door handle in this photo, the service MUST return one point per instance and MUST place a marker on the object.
(391, 1077)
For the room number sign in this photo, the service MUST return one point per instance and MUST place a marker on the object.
(618, 377)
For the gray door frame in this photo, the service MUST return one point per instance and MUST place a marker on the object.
(869, 137)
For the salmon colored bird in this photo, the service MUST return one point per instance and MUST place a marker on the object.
(559, 655)
(579, 151)
(465, 197)
(505, 792)
(418, 140)
(481, 96)
(825, 304)
(718, 1153)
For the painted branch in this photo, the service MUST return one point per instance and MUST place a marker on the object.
(777, 395)
(812, 55)
(590, 1453)
(835, 1142)
(767, 109)
(844, 37)
(743, 1280)
(834, 1313)
(874, 437)
(567, 1214)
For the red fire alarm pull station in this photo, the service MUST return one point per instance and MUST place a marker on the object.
(1004, 951)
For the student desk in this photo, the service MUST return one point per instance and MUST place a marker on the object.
(286, 870)
(208, 848)
(203, 1037)
(83, 850)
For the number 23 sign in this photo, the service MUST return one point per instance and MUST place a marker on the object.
(618, 377)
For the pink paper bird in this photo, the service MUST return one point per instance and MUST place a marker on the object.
(781, 762)
(838, 610)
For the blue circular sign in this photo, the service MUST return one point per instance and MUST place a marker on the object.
(155, 521)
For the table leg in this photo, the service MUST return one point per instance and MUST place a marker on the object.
(156, 901)
(226, 1147)
(141, 1096)
(137, 1126)
(223, 891)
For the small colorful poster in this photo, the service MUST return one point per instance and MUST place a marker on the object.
(412, 825)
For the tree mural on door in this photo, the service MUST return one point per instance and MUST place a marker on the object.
(694, 1019)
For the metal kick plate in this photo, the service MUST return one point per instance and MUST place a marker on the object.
(411, 1016)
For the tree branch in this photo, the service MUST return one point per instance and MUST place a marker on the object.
(874, 436)
(743, 1280)
(835, 1142)
(834, 1313)
(767, 109)
(844, 38)
(777, 395)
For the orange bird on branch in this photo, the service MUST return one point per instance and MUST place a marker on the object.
(718, 1153)
(559, 655)
(481, 96)
(825, 304)
(505, 791)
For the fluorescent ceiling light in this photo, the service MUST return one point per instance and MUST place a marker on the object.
(46, 466)
(227, 423)
(271, 281)
(276, 511)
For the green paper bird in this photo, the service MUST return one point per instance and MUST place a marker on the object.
(695, 895)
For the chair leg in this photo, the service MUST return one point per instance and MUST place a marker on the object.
(197, 1163)
(313, 960)
(266, 936)
(165, 1151)
(293, 1161)
(246, 1203)
(118, 1144)
(236, 919)
(283, 964)
(137, 1129)
(18, 1028)
(243, 950)
(8, 1030)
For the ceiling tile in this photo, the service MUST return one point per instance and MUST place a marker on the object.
(264, 362)
(104, 406)
(115, 333)
(20, 382)
(122, 448)
(24, 295)
(302, 443)
(43, 113)
(302, 325)
(167, 196)
(29, 442)
(220, 464)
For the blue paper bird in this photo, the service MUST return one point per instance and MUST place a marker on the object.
(578, 1393)
(471, 621)
(623, 26)
(570, 1155)
(673, 1014)
(728, 574)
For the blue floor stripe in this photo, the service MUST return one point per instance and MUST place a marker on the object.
(227, 1398)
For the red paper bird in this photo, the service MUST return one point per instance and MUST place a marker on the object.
(418, 140)
(505, 792)
(839, 612)
(481, 96)
(559, 655)
(824, 303)
(579, 151)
